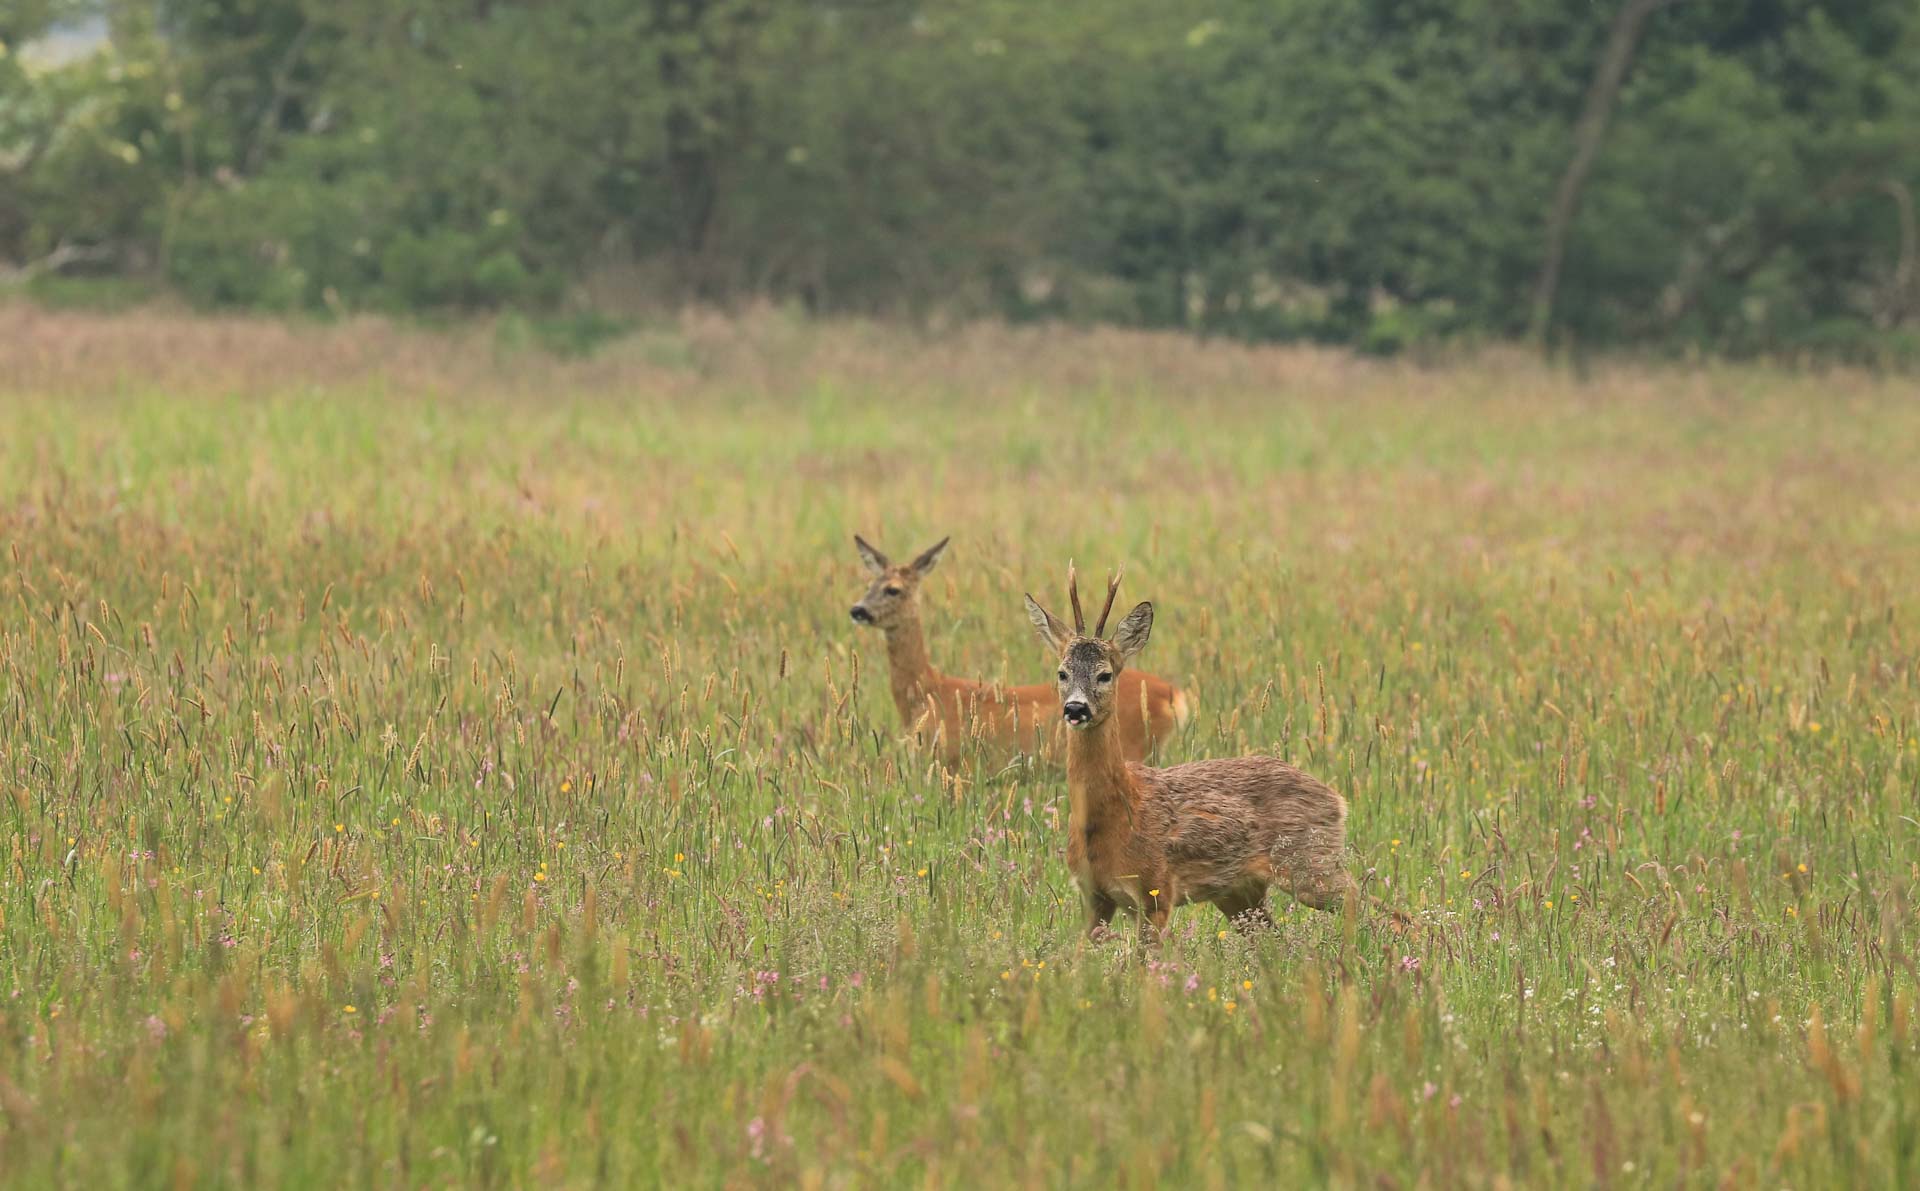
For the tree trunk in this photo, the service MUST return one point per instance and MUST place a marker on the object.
(1587, 136)
(1901, 300)
(684, 37)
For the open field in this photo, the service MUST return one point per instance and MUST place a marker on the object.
(430, 765)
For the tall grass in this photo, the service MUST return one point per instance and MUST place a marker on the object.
(429, 764)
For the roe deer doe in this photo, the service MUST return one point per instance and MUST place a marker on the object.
(1207, 831)
(1014, 719)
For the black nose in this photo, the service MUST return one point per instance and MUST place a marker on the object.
(1077, 712)
(861, 615)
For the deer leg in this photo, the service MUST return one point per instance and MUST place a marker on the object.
(1100, 910)
(1246, 909)
(1156, 911)
(1153, 925)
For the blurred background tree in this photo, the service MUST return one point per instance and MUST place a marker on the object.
(1383, 174)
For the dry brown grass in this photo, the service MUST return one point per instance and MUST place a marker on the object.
(762, 350)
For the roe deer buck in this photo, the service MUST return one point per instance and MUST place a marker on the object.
(1213, 831)
(1016, 719)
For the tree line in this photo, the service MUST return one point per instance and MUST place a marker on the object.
(1736, 175)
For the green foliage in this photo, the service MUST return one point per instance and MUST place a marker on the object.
(577, 334)
(74, 153)
(84, 292)
(1375, 174)
(1743, 195)
(236, 248)
(368, 239)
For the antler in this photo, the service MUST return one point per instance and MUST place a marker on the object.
(1073, 596)
(1113, 589)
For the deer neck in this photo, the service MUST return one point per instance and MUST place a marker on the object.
(910, 673)
(1101, 791)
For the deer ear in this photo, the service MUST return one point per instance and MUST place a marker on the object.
(1051, 632)
(1131, 637)
(876, 561)
(926, 561)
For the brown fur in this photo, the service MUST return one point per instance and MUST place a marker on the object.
(1009, 720)
(1221, 831)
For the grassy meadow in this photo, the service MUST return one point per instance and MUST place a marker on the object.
(428, 762)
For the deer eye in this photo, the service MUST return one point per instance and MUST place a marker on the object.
(892, 590)
(1063, 676)
(1104, 677)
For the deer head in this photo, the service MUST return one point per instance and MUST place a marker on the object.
(1090, 663)
(890, 596)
